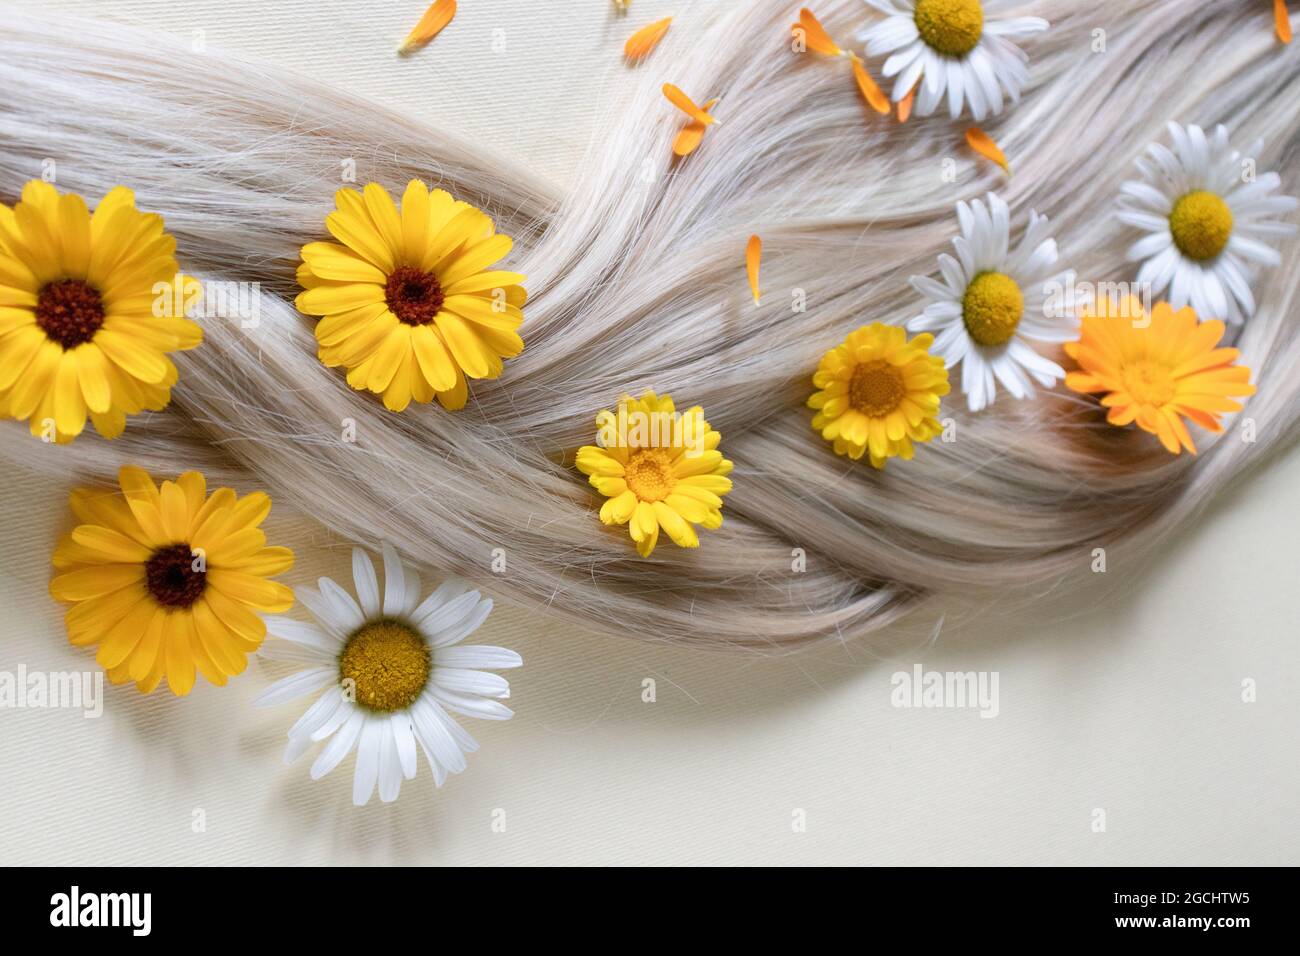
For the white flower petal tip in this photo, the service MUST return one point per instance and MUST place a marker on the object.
(1207, 214)
(994, 299)
(393, 670)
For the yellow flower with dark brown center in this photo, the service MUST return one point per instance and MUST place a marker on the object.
(88, 312)
(1157, 370)
(659, 469)
(166, 579)
(878, 392)
(410, 305)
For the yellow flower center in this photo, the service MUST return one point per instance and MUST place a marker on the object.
(388, 665)
(171, 576)
(876, 388)
(1201, 223)
(952, 27)
(69, 311)
(649, 474)
(413, 295)
(992, 308)
(1150, 383)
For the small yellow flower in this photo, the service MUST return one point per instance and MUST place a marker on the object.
(1157, 370)
(167, 579)
(84, 329)
(659, 469)
(879, 392)
(408, 302)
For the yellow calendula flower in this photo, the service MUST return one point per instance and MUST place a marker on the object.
(409, 303)
(878, 392)
(659, 469)
(169, 579)
(1157, 370)
(87, 314)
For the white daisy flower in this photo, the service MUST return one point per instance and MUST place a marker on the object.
(994, 299)
(950, 49)
(1206, 221)
(391, 672)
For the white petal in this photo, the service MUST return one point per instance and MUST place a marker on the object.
(461, 681)
(295, 686)
(470, 706)
(300, 632)
(390, 767)
(480, 656)
(317, 714)
(404, 738)
(363, 575)
(340, 745)
(434, 736)
(346, 611)
(456, 632)
(368, 747)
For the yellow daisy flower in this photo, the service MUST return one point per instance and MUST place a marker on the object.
(1157, 370)
(83, 328)
(168, 579)
(409, 305)
(659, 469)
(879, 392)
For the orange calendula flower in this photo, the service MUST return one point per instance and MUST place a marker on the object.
(753, 257)
(693, 132)
(983, 144)
(814, 37)
(409, 300)
(659, 469)
(435, 18)
(1157, 370)
(641, 43)
(169, 579)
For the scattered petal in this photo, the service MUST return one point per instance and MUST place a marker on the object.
(435, 18)
(641, 43)
(689, 138)
(687, 105)
(753, 255)
(872, 93)
(905, 105)
(814, 34)
(1282, 20)
(983, 144)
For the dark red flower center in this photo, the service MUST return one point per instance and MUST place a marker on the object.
(414, 295)
(171, 578)
(69, 311)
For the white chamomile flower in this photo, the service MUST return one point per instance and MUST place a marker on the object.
(391, 672)
(993, 299)
(1206, 214)
(948, 47)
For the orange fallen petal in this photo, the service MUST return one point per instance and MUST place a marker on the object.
(689, 138)
(872, 93)
(983, 144)
(1282, 20)
(905, 104)
(753, 253)
(815, 35)
(687, 105)
(435, 18)
(640, 44)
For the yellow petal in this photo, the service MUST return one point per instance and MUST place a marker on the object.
(983, 144)
(640, 44)
(687, 105)
(435, 18)
(753, 255)
(818, 40)
(872, 93)
(1282, 20)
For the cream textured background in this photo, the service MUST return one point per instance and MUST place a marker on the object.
(1129, 699)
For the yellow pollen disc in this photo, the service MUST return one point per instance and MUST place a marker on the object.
(1149, 383)
(649, 474)
(388, 665)
(952, 27)
(876, 388)
(992, 308)
(1201, 223)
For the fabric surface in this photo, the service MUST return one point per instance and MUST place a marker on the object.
(1129, 700)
